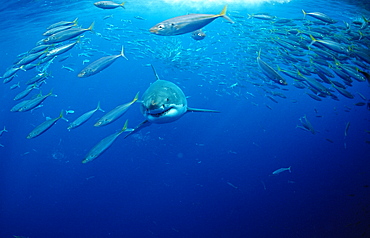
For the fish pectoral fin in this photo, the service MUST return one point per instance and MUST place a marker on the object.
(138, 127)
(189, 109)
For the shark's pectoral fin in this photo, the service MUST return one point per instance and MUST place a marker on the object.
(139, 127)
(200, 110)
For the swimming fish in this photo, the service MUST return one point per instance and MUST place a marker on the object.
(67, 34)
(269, 71)
(320, 16)
(32, 103)
(109, 4)
(84, 117)
(103, 145)
(278, 171)
(62, 23)
(186, 23)
(44, 126)
(198, 35)
(115, 113)
(100, 64)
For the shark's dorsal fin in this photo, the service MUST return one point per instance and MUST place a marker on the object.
(200, 110)
(155, 72)
(139, 127)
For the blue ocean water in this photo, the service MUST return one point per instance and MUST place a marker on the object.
(207, 174)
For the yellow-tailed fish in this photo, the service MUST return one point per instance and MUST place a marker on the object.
(44, 126)
(109, 4)
(115, 113)
(32, 103)
(103, 145)
(100, 64)
(62, 23)
(84, 117)
(186, 23)
(269, 71)
(67, 34)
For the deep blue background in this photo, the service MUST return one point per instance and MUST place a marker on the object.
(171, 180)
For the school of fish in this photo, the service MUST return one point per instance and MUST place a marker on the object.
(278, 55)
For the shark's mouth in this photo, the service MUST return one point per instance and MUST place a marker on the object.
(159, 114)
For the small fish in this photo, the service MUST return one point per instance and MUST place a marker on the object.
(100, 64)
(109, 4)
(306, 125)
(68, 68)
(33, 103)
(84, 117)
(115, 113)
(319, 16)
(61, 49)
(62, 23)
(69, 112)
(198, 35)
(262, 16)
(57, 29)
(278, 171)
(232, 185)
(331, 45)
(186, 23)
(25, 92)
(103, 145)
(44, 126)
(269, 71)
(347, 128)
(67, 34)
(14, 86)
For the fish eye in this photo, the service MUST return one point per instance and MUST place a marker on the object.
(160, 26)
(167, 99)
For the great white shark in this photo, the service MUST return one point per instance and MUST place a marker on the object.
(163, 102)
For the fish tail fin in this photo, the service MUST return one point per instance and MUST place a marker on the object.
(91, 27)
(61, 116)
(201, 110)
(123, 53)
(135, 98)
(250, 16)
(223, 14)
(124, 126)
(5, 130)
(313, 40)
(290, 169)
(122, 5)
(304, 14)
(75, 21)
(259, 54)
(99, 108)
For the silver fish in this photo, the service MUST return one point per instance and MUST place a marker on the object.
(44, 126)
(103, 145)
(84, 117)
(100, 64)
(115, 113)
(186, 23)
(278, 171)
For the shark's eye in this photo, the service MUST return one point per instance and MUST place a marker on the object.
(167, 99)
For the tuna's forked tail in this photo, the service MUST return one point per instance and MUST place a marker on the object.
(123, 54)
(304, 14)
(223, 14)
(99, 108)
